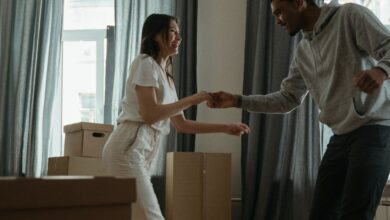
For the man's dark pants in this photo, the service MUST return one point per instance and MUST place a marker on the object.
(352, 175)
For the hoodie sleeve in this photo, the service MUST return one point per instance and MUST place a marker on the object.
(291, 94)
(372, 36)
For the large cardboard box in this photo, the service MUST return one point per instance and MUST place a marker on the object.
(80, 166)
(85, 166)
(86, 139)
(198, 186)
(66, 198)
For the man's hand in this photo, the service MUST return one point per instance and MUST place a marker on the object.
(223, 100)
(370, 80)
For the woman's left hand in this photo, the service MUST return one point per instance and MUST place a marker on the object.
(237, 129)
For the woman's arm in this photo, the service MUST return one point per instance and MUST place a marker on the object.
(188, 126)
(152, 112)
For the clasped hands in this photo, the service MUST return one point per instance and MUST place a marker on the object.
(226, 100)
(221, 100)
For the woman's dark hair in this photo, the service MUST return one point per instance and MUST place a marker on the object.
(154, 24)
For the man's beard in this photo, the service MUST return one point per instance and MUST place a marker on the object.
(293, 33)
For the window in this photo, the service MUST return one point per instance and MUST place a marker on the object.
(83, 60)
(380, 8)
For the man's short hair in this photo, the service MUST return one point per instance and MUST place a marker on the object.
(309, 2)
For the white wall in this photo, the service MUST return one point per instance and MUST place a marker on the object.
(221, 42)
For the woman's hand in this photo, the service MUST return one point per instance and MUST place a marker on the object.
(201, 97)
(237, 129)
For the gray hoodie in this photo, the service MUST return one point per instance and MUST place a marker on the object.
(345, 40)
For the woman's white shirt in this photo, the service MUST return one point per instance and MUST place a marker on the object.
(145, 71)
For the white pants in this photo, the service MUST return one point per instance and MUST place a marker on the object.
(128, 153)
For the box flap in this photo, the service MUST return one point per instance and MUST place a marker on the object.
(88, 126)
(26, 193)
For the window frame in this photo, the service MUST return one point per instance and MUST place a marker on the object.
(99, 36)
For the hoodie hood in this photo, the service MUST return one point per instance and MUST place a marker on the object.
(327, 12)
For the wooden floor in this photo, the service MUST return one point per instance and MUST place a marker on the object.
(383, 213)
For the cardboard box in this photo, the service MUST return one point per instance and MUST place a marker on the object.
(198, 186)
(80, 166)
(86, 139)
(67, 198)
(84, 166)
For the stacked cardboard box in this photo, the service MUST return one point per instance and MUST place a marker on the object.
(63, 198)
(198, 186)
(84, 144)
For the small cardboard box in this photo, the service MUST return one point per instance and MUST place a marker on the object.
(86, 139)
(80, 166)
(64, 198)
(198, 186)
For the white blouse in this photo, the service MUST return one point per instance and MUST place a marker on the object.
(145, 71)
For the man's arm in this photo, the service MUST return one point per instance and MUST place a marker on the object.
(293, 91)
(373, 38)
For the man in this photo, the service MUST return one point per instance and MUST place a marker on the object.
(334, 62)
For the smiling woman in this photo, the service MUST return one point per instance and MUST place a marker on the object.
(149, 106)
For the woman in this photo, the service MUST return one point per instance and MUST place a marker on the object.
(149, 105)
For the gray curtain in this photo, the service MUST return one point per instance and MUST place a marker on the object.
(185, 70)
(281, 155)
(109, 77)
(30, 48)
